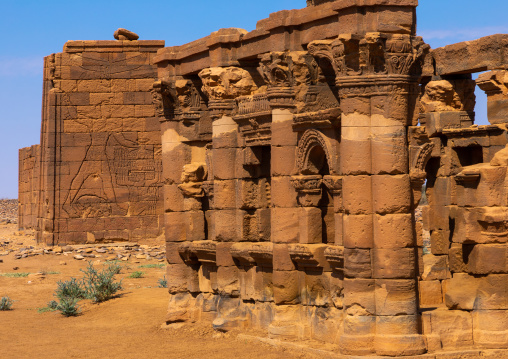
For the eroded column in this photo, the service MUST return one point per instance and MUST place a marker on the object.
(375, 88)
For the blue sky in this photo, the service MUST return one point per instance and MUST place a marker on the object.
(32, 29)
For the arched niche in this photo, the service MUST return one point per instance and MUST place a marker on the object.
(314, 155)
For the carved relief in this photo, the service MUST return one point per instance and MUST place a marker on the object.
(287, 69)
(308, 188)
(192, 177)
(113, 168)
(307, 160)
(420, 159)
(372, 54)
(442, 95)
(226, 83)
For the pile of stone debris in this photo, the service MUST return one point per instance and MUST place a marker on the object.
(8, 211)
(114, 251)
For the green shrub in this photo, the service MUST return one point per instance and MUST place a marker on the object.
(68, 307)
(5, 303)
(136, 274)
(14, 275)
(163, 283)
(156, 265)
(100, 286)
(52, 304)
(70, 289)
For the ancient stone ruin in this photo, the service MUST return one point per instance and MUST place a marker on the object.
(293, 159)
(96, 176)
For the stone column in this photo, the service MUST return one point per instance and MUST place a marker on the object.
(373, 74)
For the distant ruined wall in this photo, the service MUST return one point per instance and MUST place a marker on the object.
(28, 186)
(100, 144)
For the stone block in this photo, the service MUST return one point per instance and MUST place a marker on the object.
(175, 225)
(207, 278)
(460, 292)
(488, 258)
(431, 294)
(281, 258)
(454, 328)
(356, 155)
(225, 225)
(358, 335)
(393, 263)
(391, 194)
(224, 194)
(285, 226)
(285, 287)
(357, 193)
(395, 297)
(357, 263)
(358, 231)
(176, 275)
(389, 150)
(490, 329)
(223, 255)
(282, 129)
(492, 292)
(310, 225)
(228, 281)
(456, 258)
(283, 193)
(435, 267)
(440, 242)
(393, 231)
(397, 336)
(223, 162)
(283, 161)
(359, 297)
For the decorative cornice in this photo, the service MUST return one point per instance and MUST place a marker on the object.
(374, 54)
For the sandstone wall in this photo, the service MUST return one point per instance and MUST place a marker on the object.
(100, 144)
(28, 186)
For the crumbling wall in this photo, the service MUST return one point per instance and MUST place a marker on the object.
(100, 150)
(28, 186)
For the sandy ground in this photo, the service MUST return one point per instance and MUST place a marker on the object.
(129, 326)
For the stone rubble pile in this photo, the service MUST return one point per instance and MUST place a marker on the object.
(8, 211)
(122, 251)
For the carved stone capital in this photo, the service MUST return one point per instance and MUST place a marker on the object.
(288, 69)
(308, 188)
(333, 183)
(371, 54)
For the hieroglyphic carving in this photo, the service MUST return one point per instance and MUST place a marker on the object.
(117, 176)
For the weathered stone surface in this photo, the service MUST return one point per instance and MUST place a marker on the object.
(291, 162)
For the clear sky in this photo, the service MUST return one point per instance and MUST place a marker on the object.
(32, 29)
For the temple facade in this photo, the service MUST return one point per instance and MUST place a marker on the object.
(292, 164)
